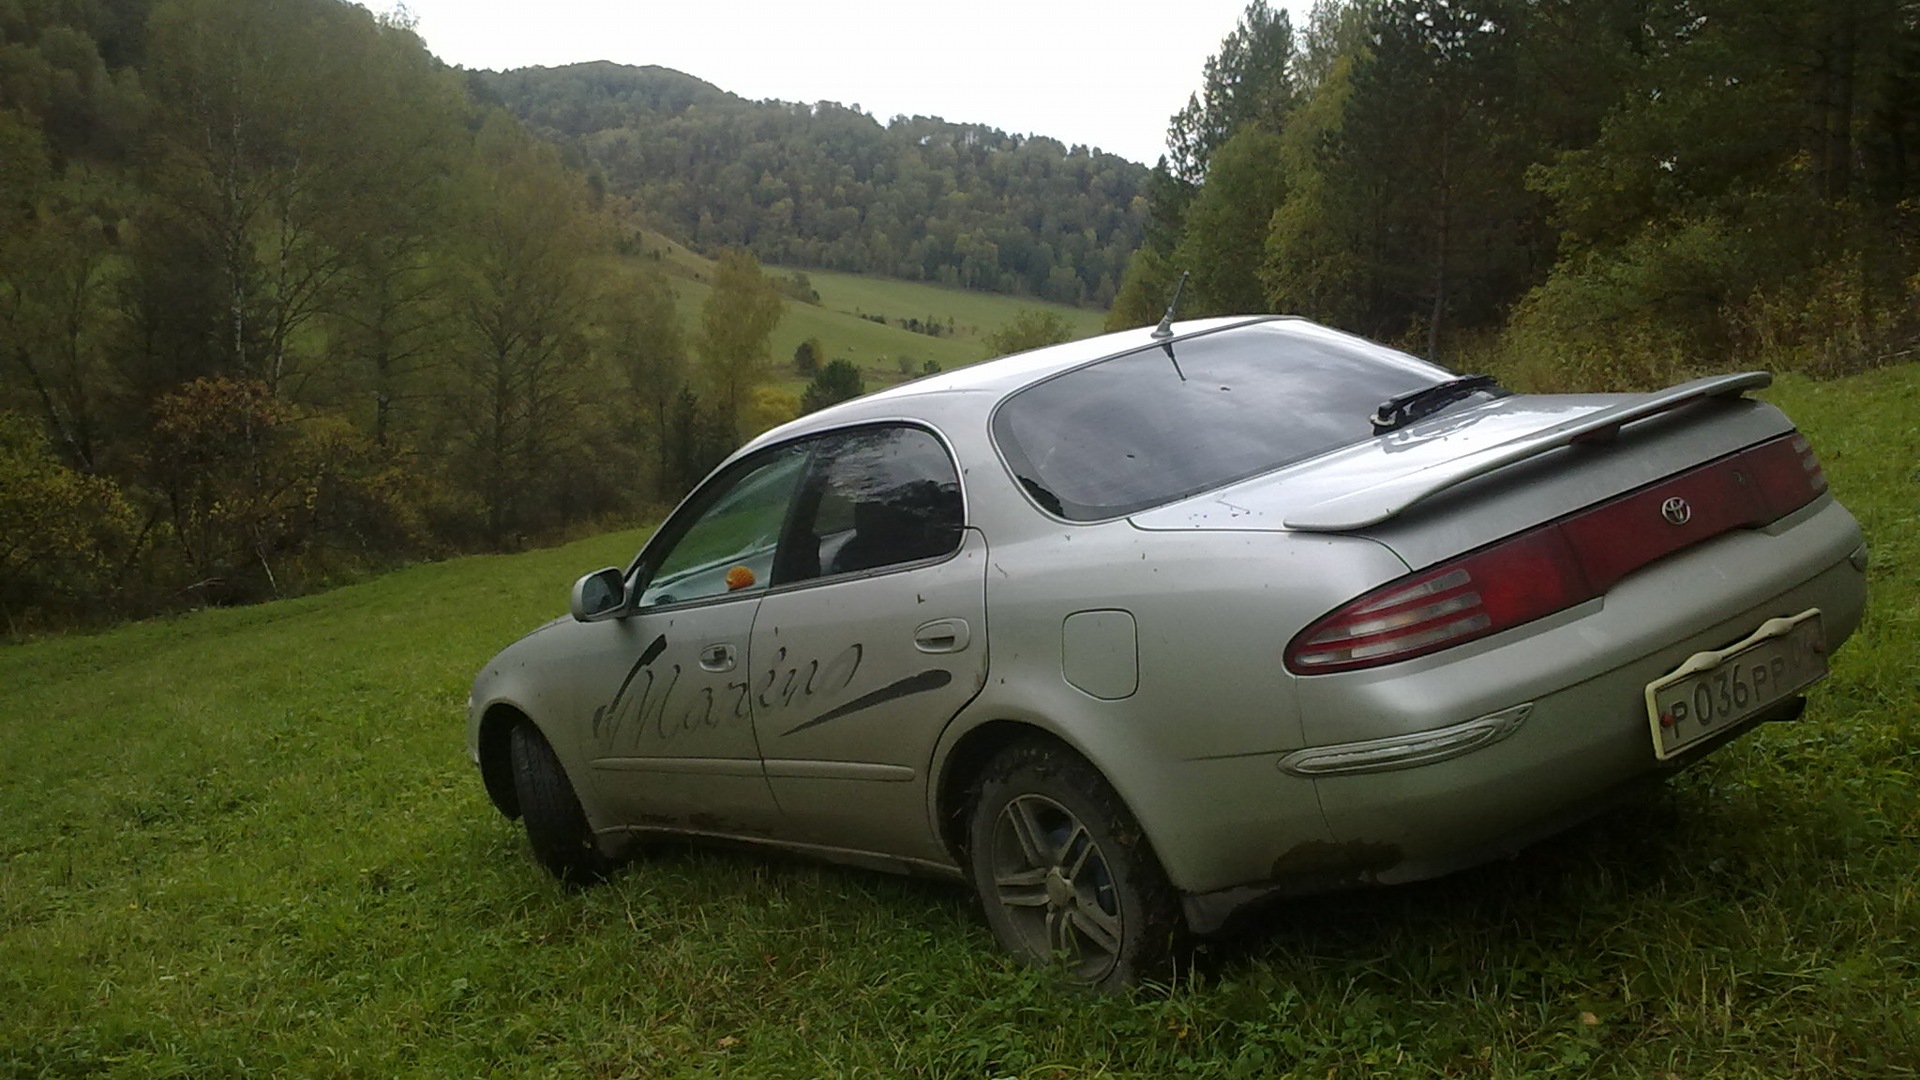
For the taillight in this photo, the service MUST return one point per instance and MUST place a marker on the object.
(1512, 582)
(1787, 474)
(1558, 565)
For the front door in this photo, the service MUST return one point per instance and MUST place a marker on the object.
(673, 740)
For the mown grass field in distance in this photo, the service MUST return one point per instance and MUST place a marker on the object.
(885, 352)
(247, 842)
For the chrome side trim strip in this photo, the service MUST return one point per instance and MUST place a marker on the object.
(695, 765)
(800, 769)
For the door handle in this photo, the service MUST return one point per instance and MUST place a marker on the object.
(717, 657)
(942, 636)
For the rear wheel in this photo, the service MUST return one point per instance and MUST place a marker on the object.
(557, 827)
(1065, 873)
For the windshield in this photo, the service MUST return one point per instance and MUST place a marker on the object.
(1135, 431)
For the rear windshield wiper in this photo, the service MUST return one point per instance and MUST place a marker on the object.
(1411, 406)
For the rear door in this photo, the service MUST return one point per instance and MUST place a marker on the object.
(872, 638)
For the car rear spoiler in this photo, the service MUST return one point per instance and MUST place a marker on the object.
(1373, 505)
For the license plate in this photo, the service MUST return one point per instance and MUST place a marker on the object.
(1714, 691)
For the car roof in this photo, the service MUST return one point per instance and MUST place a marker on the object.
(992, 379)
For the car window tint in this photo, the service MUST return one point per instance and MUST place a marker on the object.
(1136, 430)
(874, 497)
(729, 547)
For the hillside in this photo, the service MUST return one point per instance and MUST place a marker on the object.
(248, 842)
(1613, 192)
(828, 187)
(284, 302)
(865, 319)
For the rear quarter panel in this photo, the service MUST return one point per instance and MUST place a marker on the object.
(1193, 749)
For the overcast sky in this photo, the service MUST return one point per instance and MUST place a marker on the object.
(1106, 74)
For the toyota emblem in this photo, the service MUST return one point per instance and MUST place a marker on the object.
(1676, 511)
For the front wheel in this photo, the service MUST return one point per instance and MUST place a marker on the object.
(557, 827)
(1065, 873)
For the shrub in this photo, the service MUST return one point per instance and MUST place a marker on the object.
(63, 533)
(1031, 328)
(838, 381)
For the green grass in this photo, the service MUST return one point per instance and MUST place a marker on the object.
(246, 842)
(875, 348)
(975, 314)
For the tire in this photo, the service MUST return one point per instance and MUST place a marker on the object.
(1065, 872)
(557, 827)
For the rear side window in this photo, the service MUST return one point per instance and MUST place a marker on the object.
(1146, 427)
(873, 498)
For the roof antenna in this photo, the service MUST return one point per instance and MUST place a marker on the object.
(1164, 332)
(1165, 329)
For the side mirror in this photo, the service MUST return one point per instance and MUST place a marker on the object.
(598, 595)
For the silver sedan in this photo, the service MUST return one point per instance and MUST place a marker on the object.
(1132, 632)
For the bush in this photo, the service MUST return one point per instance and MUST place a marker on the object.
(263, 501)
(837, 382)
(1031, 328)
(63, 533)
(1836, 321)
(1643, 316)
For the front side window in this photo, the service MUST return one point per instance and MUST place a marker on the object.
(1168, 421)
(873, 498)
(735, 529)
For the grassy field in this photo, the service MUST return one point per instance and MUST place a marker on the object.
(975, 314)
(247, 843)
(876, 348)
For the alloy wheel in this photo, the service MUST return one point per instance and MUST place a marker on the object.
(1056, 888)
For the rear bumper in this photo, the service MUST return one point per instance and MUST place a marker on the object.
(1584, 741)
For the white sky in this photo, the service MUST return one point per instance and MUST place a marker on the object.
(1103, 74)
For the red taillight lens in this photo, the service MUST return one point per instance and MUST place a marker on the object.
(1561, 564)
(1516, 581)
(1786, 473)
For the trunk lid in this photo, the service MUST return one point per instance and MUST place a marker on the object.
(1468, 477)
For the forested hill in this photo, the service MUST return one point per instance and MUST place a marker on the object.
(281, 303)
(1605, 192)
(829, 186)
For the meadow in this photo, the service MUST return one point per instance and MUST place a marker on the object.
(247, 842)
(886, 352)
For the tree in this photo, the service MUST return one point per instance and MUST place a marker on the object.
(1031, 328)
(55, 285)
(807, 357)
(1319, 246)
(697, 439)
(1227, 226)
(1750, 186)
(523, 300)
(388, 313)
(270, 155)
(647, 344)
(838, 381)
(1145, 290)
(736, 322)
(1405, 210)
(1248, 82)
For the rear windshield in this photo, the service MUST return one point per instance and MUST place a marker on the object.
(1131, 431)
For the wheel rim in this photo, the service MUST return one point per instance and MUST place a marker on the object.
(1056, 889)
